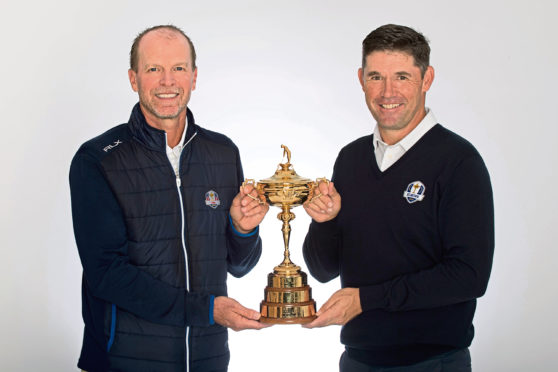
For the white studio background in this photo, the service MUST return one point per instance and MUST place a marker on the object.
(273, 73)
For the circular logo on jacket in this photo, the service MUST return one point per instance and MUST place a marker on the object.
(414, 192)
(212, 199)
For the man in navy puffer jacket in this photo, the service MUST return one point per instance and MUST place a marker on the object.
(159, 221)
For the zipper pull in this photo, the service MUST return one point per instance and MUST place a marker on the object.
(178, 181)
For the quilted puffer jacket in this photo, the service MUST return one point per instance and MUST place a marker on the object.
(156, 247)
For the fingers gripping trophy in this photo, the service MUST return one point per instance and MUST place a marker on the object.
(287, 297)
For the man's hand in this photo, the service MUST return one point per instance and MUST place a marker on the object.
(341, 307)
(248, 209)
(325, 204)
(229, 313)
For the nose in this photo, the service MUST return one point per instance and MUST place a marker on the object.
(167, 78)
(388, 89)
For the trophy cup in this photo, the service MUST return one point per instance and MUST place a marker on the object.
(287, 297)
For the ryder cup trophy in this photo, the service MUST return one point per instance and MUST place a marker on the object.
(287, 297)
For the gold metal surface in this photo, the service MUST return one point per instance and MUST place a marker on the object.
(282, 281)
(287, 297)
(288, 314)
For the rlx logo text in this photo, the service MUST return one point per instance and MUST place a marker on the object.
(118, 142)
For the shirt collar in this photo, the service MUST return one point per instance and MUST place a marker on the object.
(410, 139)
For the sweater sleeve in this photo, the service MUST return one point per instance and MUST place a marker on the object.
(466, 227)
(321, 250)
(101, 237)
(323, 242)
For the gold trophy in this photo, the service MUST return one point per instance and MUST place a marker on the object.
(287, 297)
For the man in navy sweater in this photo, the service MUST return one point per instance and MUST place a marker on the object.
(414, 240)
(159, 221)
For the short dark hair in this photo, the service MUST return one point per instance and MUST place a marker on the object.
(134, 51)
(400, 39)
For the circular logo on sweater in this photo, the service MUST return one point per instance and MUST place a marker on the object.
(212, 199)
(414, 192)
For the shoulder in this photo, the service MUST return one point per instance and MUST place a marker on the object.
(451, 144)
(357, 149)
(457, 156)
(216, 141)
(357, 146)
(106, 143)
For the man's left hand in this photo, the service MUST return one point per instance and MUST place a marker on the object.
(341, 307)
(248, 209)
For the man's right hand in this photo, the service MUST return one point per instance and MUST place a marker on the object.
(229, 313)
(325, 204)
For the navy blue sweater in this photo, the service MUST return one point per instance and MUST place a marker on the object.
(418, 241)
(156, 247)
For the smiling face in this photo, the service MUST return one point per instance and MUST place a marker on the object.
(164, 78)
(395, 92)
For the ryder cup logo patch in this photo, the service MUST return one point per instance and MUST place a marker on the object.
(414, 192)
(212, 199)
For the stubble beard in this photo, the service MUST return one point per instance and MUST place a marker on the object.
(151, 108)
(147, 102)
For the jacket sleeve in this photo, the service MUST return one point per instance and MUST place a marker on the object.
(243, 250)
(466, 228)
(101, 237)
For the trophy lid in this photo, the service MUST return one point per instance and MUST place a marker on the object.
(285, 173)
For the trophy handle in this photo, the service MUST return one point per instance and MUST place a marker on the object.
(322, 179)
(249, 181)
(257, 187)
(314, 185)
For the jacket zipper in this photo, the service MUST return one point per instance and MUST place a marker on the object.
(183, 239)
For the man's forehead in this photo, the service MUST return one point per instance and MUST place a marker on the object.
(387, 58)
(156, 43)
(154, 37)
(400, 54)
(165, 32)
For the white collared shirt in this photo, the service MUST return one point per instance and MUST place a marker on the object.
(387, 155)
(174, 153)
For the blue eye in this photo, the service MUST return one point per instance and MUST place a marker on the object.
(152, 69)
(179, 68)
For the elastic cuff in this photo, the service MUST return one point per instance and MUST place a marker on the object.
(211, 302)
(253, 232)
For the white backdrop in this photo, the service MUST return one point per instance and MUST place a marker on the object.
(273, 73)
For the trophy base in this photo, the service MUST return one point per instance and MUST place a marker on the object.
(288, 298)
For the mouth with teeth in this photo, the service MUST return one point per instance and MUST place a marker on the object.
(390, 106)
(166, 95)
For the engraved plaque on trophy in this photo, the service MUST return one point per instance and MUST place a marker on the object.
(287, 296)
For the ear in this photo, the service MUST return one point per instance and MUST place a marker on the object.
(133, 81)
(361, 77)
(428, 79)
(194, 79)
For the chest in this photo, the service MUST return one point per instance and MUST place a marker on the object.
(389, 221)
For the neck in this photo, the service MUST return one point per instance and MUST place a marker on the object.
(174, 133)
(392, 136)
(173, 127)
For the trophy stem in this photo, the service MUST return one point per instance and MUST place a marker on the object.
(286, 216)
